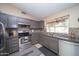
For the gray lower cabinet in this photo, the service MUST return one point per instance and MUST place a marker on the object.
(34, 38)
(49, 42)
(45, 41)
(53, 45)
(40, 40)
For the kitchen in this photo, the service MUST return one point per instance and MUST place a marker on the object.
(29, 31)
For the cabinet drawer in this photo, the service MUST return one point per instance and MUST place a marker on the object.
(53, 45)
(13, 45)
(12, 23)
(13, 49)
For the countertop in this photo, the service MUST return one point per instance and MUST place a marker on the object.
(74, 40)
(65, 38)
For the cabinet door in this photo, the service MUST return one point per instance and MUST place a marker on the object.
(34, 38)
(19, 20)
(34, 24)
(40, 38)
(53, 45)
(23, 21)
(40, 24)
(45, 40)
(12, 23)
(68, 48)
(49, 42)
(27, 21)
(3, 19)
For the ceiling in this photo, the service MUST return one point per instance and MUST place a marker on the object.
(40, 10)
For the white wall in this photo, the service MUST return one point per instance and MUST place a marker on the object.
(10, 9)
(74, 12)
(74, 15)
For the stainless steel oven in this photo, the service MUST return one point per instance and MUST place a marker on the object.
(24, 41)
(23, 37)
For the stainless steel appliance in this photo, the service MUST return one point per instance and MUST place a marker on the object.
(24, 36)
(3, 38)
(24, 41)
(13, 40)
(9, 41)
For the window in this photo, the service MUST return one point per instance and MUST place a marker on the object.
(50, 27)
(58, 27)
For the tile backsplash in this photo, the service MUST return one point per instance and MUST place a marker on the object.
(74, 31)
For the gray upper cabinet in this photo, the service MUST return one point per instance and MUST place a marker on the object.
(23, 21)
(27, 21)
(12, 22)
(19, 20)
(37, 24)
(41, 24)
(3, 19)
(33, 24)
(49, 42)
(8, 20)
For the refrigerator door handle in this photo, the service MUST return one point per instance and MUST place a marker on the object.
(4, 39)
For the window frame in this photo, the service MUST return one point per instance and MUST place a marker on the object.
(65, 25)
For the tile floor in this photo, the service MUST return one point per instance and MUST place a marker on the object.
(45, 51)
(35, 50)
(32, 51)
